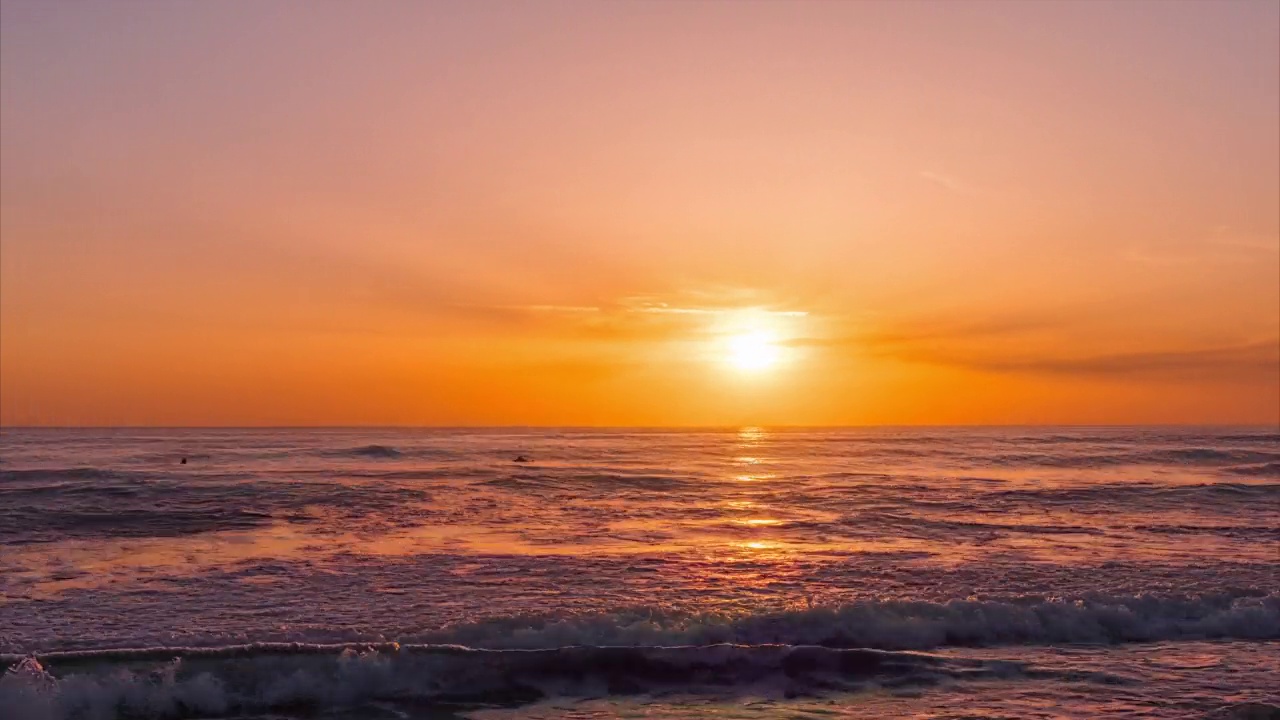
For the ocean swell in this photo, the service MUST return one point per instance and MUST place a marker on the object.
(1270, 469)
(1176, 457)
(369, 451)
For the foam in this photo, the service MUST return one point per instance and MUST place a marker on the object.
(897, 625)
(179, 682)
(902, 625)
(315, 679)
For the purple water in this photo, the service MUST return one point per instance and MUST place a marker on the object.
(1013, 572)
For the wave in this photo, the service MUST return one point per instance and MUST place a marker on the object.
(387, 452)
(521, 659)
(929, 528)
(1271, 469)
(34, 527)
(1249, 437)
(903, 624)
(1248, 532)
(1210, 455)
(1138, 435)
(892, 625)
(93, 479)
(174, 682)
(1149, 494)
(1245, 711)
(1194, 456)
(369, 451)
(619, 480)
(62, 474)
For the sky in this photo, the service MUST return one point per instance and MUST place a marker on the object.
(639, 213)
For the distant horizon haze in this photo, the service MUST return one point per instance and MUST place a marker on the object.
(660, 428)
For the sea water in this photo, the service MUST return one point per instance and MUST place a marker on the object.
(737, 573)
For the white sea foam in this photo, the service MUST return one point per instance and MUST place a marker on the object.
(901, 625)
(519, 659)
(265, 677)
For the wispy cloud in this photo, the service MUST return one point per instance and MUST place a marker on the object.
(957, 185)
(946, 181)
(1199, 363)
(706, 303)
(932, 332)
(664, 309)
(629, 318)
(632, 306)
(1226, 236)
(561, 309)
(1049, 345)
(1222, 245)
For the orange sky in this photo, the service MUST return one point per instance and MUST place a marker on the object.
(564, 212)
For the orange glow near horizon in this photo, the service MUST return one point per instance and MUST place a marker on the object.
(653, 214)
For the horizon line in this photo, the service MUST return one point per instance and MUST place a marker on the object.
(641, 427)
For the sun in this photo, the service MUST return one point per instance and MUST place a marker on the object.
(753, 351)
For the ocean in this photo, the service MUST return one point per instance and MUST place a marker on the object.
(737, 573)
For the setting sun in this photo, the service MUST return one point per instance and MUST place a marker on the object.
(753, 351)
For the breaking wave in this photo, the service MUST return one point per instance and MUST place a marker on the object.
(892, 625)
(902, 624)
(520, 659)
(516, 660)
(181, 682)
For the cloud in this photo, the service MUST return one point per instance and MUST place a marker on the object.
(1223, 245)
(1149, 257)
(1227, 237)
(561, 309)
(713, 302)
(954, 331)
(932, 332)
(630, 318)
(1198, 363)
(945, 181)
(664, 309)
(954, 184)
(1043, 345)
